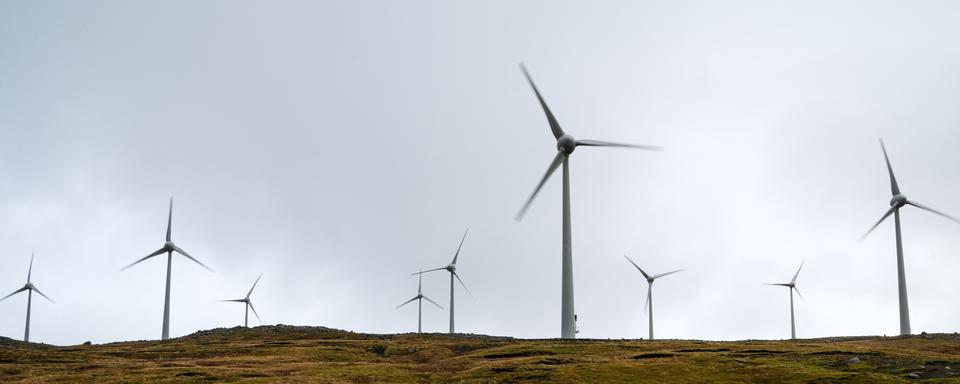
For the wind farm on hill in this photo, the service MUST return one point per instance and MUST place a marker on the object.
(565, 144)
(324, 156)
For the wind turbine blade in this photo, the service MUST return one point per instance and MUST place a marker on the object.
(894, 187)
(645, 275)
(254, 285)
(798, 294)
(463, 285)
(667, 273)
(885, 216)
(557, 160)
(182, 252)
(250, 303)
(41, 294)
(15, 292)
(233, 301)
(554, 125)
(646, 303)
(407, 302)
(429, 270)
(598, 143)
(926, 208)
(794, 279)
(433, 302)
(169, 218)
(780, 284)
(155, 253)
(30, 270)
(456, 255)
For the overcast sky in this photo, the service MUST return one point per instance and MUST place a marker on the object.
(337, 147)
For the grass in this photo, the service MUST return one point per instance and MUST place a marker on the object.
(316, 354)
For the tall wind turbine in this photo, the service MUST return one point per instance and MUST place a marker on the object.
(649, 304)
(897, 202)
(793, 287)
(452, 268)
(169, 248)
(420, 297)
(565, 147)
(30, 288)
(247, 304)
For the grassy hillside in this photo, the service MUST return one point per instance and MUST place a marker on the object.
(315, 354)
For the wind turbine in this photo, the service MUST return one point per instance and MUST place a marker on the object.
(452, 268)
(649, 304)
(248, 305)
(419, 297)
(30, 288)
(793, 287)
(566, 144)
(897, 202)
(169, 248)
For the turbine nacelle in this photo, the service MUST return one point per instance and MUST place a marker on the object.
(29, 286)
(566, 144)
(451, 267)
(898, 200)
(168, 245)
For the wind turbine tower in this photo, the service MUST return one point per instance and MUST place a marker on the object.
(247, 304)
(648, 305)
(169, 248)
(566, 144)
(420, 297)
(30, 288)
(452, 268)
(899, 201)
(792, 285)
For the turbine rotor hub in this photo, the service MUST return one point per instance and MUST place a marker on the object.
(898, 201)
(566, 144)
(452, 267)
(168, 245)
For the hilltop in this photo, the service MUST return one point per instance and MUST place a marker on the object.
(318, 354)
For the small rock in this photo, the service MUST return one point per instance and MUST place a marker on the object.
(913, 375)
(855, 360)
(87, 343)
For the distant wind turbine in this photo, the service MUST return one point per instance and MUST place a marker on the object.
(793, 287)
(566, 144)
(248, 305)
(169, 248)
(420, 297)
(30, 288)
(897, 202)
(452, 268)
(649, 303)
